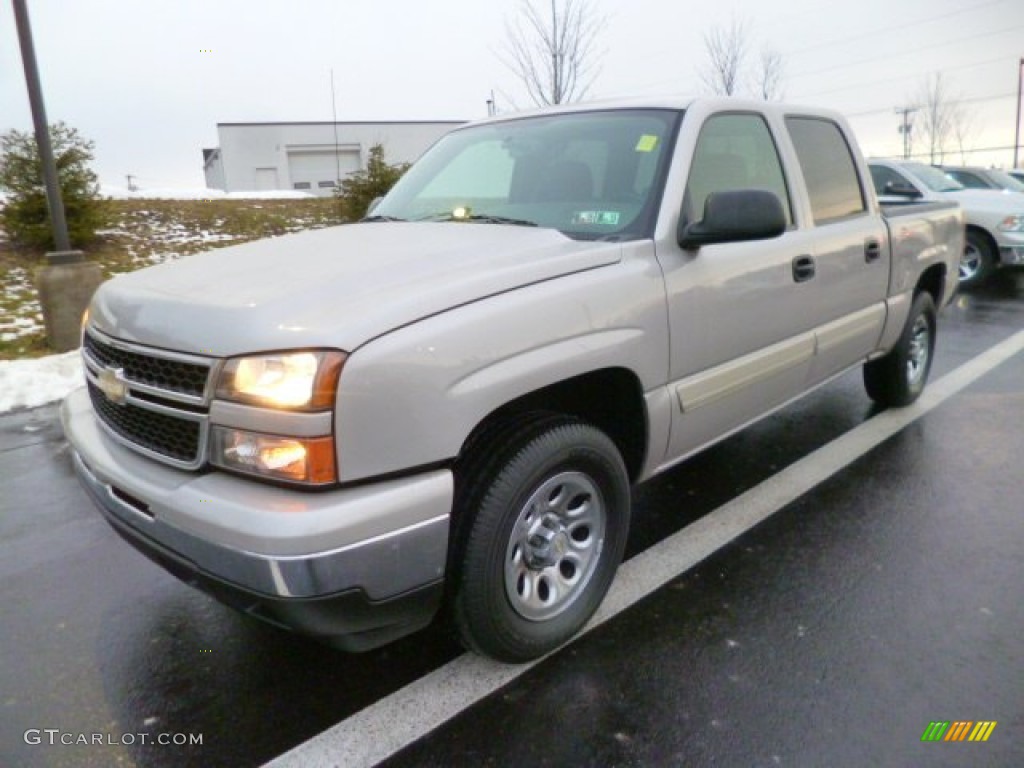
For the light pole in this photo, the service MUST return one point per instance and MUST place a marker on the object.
(35, 98)
(67, 282)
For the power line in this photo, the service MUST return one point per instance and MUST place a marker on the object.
(907, 52)
(957, 151)
(972, 100)
(887, 30)
(866, 83)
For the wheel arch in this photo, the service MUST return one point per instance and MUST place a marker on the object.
(933, 281)
(610, 399)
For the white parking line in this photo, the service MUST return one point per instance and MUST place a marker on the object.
(394, 722)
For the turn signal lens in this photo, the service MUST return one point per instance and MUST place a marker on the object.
(308, 460)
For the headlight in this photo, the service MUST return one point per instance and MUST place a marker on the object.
(307, 460)
(297, 380)
(1012, 224)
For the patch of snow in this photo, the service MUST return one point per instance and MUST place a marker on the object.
(199, 193)
(269, 194)
(31, 383)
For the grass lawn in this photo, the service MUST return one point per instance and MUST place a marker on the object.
(140, 233)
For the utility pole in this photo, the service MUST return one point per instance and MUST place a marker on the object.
(131, 185)
(334, 116)
(492, 106)
(1016, 126)
(906, 127)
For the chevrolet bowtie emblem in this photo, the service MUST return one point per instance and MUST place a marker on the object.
(112, 383)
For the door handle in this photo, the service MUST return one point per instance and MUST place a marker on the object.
(872, 251)
(803, 268)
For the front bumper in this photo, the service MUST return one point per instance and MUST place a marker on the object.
(1013, 254)
(358, 567)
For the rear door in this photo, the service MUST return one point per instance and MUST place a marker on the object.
(849, 248)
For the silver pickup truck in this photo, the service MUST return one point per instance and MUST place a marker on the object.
(446, 405)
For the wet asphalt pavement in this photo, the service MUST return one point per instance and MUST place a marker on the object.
(829, 635)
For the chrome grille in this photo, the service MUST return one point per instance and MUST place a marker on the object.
(161, 373)
(157, 432)
(163, 412)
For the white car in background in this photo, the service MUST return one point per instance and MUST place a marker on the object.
(983, 178)
(995, 219)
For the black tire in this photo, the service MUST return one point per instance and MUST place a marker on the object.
(978, 260)
(541, 528)
(899, 378)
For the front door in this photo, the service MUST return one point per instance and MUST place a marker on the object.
(741, 343)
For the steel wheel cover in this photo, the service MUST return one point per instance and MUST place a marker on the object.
(970, 262)
(917, 355)
(555, 546)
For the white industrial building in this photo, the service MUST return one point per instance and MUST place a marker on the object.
(309, 156)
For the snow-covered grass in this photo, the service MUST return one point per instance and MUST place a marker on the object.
(20, 313)
(143, 232)
(30, 383)
(181, 193)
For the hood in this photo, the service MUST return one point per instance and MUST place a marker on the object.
(336, 287)
(999, 201)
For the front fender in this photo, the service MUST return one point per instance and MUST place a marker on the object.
(410, 398)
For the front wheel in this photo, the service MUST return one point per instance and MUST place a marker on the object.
(546, 521)
(978, 260)
(899, 378)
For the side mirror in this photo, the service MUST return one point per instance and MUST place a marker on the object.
(901, 189)
(735, 215)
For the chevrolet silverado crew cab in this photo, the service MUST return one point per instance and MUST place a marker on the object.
(446, 405)
(994, 217)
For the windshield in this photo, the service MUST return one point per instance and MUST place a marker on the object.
(588, 174)
(934, 178)
(1006, 181)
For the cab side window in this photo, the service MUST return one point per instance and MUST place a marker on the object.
(830, 173)
(734, 151)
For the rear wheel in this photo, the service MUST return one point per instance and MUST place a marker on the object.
(899, 378)
(978, 259)
(544, 525)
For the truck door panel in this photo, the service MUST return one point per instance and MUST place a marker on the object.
(850, 249)
(740, 345)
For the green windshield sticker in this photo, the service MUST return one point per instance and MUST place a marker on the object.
(647, 143)
(600, 218)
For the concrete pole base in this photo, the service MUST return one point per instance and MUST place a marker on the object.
(65, 285)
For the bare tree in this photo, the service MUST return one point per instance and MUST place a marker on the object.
(963, 127)
(552, 50)
(936, 120)
(768, 78)
(726, 48)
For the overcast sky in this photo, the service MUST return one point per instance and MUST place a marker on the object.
(148, 80)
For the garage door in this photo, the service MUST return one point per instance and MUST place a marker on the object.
(317, 171)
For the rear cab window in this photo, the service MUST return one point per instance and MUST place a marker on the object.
(829, 171)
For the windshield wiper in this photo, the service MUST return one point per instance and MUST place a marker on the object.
(366, 219)
(483, 218)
